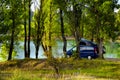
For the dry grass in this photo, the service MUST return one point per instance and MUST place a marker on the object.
(69, 69)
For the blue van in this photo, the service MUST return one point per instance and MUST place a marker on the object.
(88, 49)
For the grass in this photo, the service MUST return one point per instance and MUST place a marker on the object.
(69, 69)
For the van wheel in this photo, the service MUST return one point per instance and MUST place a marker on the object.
(89, 57)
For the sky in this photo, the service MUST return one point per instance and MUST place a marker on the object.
(116, 10)
(36, 3)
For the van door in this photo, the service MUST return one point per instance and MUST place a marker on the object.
(89, 49)
(83, 49)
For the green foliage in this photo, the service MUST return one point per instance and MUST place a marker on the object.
(108, 21)
(113, 47)
(4, 52)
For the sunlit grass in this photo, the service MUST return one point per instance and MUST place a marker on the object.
(29, 75)
(69, 69)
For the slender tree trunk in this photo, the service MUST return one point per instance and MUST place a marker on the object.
(44, 47)
(37, 49)
(50, 34)
(29, 29)
(77, 38)
(101, 48)
(77, 16)
(63, 33)
(25, 40)
(25, 31)
(99, 39)
(12, 38)
(39, 29)
(38, 37)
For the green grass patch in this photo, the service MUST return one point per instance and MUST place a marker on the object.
(32, 69)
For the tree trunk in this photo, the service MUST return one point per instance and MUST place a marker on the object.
(12, 38)
(77, 15)
(63, 34)
(37, 49)
(38, 38)
(11, 46)
(100, 40)
(40, 22)
(50, 34)
(38, 35)
(38, 42)
(77, 39)
(100, 48)
(25, 31)
(29, 29)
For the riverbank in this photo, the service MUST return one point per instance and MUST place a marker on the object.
(40, 69)
(113, 59)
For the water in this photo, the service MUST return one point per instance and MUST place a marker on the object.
(58, 52)
(20, 51)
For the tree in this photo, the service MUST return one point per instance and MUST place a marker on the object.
(25, 30)
(14, 16)
(4, 28)
(74, 12)
(29, 28)
(4, 21)
(47, 40)
(62, 32)
(117, 22)
(39, 18)
(1, 15)
(77, 16)
(103, 14)
(61, 5)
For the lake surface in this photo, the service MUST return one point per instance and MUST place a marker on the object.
(112, 51)
(57, 50)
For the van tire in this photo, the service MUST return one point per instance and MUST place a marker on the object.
(89, 57)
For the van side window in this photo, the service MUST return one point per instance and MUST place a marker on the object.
(89, 44)
(83, 43)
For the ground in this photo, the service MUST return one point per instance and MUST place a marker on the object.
(68, 69)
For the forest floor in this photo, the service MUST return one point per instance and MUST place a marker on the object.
(68, 69)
